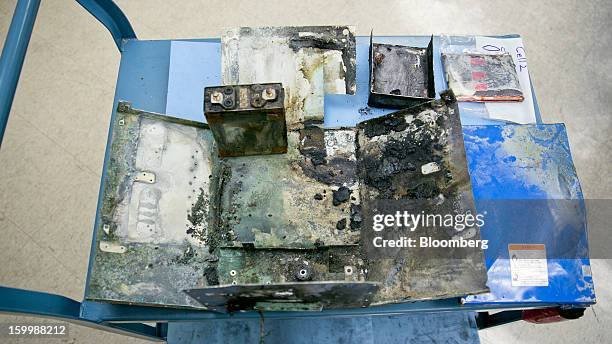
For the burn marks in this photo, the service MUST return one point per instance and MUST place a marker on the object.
(414, 160)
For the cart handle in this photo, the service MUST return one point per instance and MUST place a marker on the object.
(18, 38)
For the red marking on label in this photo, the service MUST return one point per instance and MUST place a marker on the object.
(481, 87)
(477, 60)
(479, 75)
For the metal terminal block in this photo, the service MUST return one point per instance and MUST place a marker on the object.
(247, 119)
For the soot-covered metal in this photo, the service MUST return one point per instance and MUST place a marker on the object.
(309, 61)
(286, 296)
(159, 202)
(203, 222)
(247, 119)
(400, 76)
(414, 160)
(286, 231)
(344, 176)
(269, 201)
(482, 77)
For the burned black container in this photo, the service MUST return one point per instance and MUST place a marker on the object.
(247, 119)
(400, 76)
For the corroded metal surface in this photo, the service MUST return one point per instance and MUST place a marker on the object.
(257, 266)
(309, 61)
(247, 119)
(414, 160)
(482, 77)
(299, 200)
(322, 294)
(156, 210)
(176, 217)
(400, 76)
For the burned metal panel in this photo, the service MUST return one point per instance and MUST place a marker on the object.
(263, 266)
(482, 77)
(309, 61)
(247, 119)
(156, 210)
(269, 201)
(414, 160)
(400, 76)
(322, 294)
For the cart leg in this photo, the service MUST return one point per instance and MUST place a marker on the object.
(13, 54)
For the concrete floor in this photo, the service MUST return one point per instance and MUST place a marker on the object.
(52, 154)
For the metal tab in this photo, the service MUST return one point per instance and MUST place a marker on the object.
(145, 177)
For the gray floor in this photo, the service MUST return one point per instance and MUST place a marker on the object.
(52, 153)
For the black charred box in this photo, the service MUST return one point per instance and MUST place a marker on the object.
(247, 119)
(400, 76)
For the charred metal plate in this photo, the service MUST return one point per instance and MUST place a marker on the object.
(257, 266)
(400, 76)
(309, 61)
(414, 160)
(249, 296)
(269, 201)
(247, 119)
(482, 77)
(156, 209)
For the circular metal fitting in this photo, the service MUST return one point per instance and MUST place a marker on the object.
(216, 97)
(268, 94)
(303, 273)
(257, 101)
(348, 270)
(228, 102)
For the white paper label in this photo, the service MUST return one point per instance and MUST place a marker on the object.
(528, 265)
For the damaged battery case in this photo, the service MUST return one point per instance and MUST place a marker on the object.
(414, 160)
(239, 233)
(156, 208)
(290, 228)
(482, 77)
(273, 254)
(247, 119)
(400, 76)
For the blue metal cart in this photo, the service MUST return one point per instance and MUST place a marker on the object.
(148, 77)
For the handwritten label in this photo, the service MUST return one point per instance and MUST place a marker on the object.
(519, 112)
